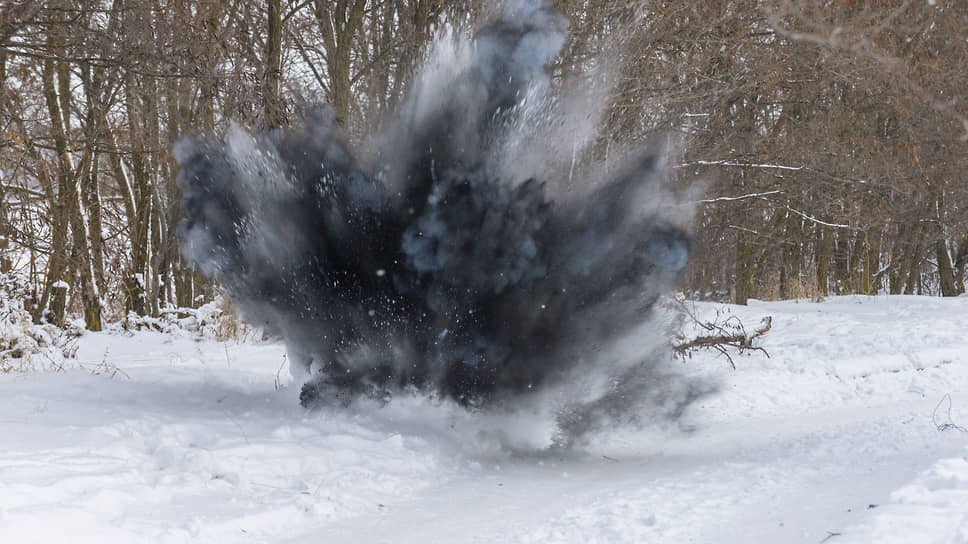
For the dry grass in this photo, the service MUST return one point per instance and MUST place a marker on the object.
(803, 286)
(229, 326)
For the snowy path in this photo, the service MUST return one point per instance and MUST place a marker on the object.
(195, 444)
(774, 481)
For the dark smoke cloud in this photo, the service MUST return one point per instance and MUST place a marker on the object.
(452, 253)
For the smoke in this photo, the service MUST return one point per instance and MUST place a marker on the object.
(454, 252)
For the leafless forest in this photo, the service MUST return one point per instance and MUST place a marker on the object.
(823, 142)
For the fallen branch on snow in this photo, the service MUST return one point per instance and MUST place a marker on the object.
(724, 335)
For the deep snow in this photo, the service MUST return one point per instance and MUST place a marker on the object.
(834, 436)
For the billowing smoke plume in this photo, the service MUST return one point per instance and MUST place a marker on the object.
(453, 252)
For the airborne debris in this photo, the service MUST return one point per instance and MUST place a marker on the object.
(457, 217)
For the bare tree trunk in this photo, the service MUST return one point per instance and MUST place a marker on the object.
(5, 263)
(745, 278)
(339, 22)
(274, 112)
(960, 264)
(134, 282)
(871, 256)
(87, 223)
(56, 285)
(825, 244)
(945, 270)
(912, 264)
(210, 15)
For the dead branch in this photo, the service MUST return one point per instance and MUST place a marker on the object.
(724, 335)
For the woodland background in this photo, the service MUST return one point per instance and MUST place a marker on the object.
(828, 138)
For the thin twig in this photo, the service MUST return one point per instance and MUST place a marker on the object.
(949, 425)
(278, 384)
(740, 197)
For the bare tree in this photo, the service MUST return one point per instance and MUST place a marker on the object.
(829, 138)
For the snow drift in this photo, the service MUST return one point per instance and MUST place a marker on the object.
(452, 252)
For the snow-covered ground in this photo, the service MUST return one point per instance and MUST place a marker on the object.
(835, 437)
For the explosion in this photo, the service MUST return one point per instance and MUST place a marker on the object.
(451, 253)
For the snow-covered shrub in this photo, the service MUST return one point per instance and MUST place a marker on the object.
(217, 320)
(24, 345)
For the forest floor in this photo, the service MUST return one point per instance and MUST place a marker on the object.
(847, 432)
